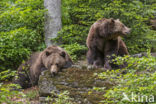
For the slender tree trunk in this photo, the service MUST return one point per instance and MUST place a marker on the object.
(53, 20)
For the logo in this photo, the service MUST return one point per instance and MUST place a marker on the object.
(138, 98)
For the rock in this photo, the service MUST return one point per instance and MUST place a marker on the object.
(42, 100)
(45, 85)
(143, 54)
(153, 23)
(78, 82)
(153, 54)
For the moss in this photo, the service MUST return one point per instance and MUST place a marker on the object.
(79, 82)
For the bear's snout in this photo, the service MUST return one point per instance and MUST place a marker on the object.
(127, 30)
(53, 70)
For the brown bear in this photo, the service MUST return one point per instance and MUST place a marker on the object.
(104, 40)
(52, 58)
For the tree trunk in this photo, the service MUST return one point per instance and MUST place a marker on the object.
(53, 20)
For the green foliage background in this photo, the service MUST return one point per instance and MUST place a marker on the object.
(21, 26)
(79, 15)
(21, 30)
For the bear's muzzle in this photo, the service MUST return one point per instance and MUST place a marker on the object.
(53, 70)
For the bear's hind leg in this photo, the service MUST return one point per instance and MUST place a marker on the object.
(95, 58)
(91, 55)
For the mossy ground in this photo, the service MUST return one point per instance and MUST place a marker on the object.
(79, 83)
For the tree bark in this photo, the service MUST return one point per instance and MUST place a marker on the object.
(53, 20)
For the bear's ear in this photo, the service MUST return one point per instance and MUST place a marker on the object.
(112, 20)
(63, 54)
(117, 20)
(47, 53)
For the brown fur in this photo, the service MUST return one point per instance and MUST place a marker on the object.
(153, 23)
(104, 40)
(52, 58)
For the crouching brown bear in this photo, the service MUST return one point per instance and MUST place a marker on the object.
(104, 40)
(52, 58)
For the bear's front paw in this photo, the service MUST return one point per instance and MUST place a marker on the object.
(107, 66)
(90, 67)
(76, 66)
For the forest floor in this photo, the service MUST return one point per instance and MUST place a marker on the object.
(31, 95)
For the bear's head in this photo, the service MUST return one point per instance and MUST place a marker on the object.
(111, 28)
(55, 58)
(120, 28)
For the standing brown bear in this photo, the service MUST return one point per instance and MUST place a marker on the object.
(52, 58)
(104, 40)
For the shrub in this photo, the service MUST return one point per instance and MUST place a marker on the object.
(6, 75)
(62, 98)
(8, 96)
(75, 50)
(138, 81)
(21, 30)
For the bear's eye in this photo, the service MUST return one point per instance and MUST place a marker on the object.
(57, 64)
(63, 54)
(47, 53)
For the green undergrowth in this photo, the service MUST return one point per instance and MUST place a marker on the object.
(8, 94)
(62, 98)
(75, 50)
(134, 84)
(6, 75)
